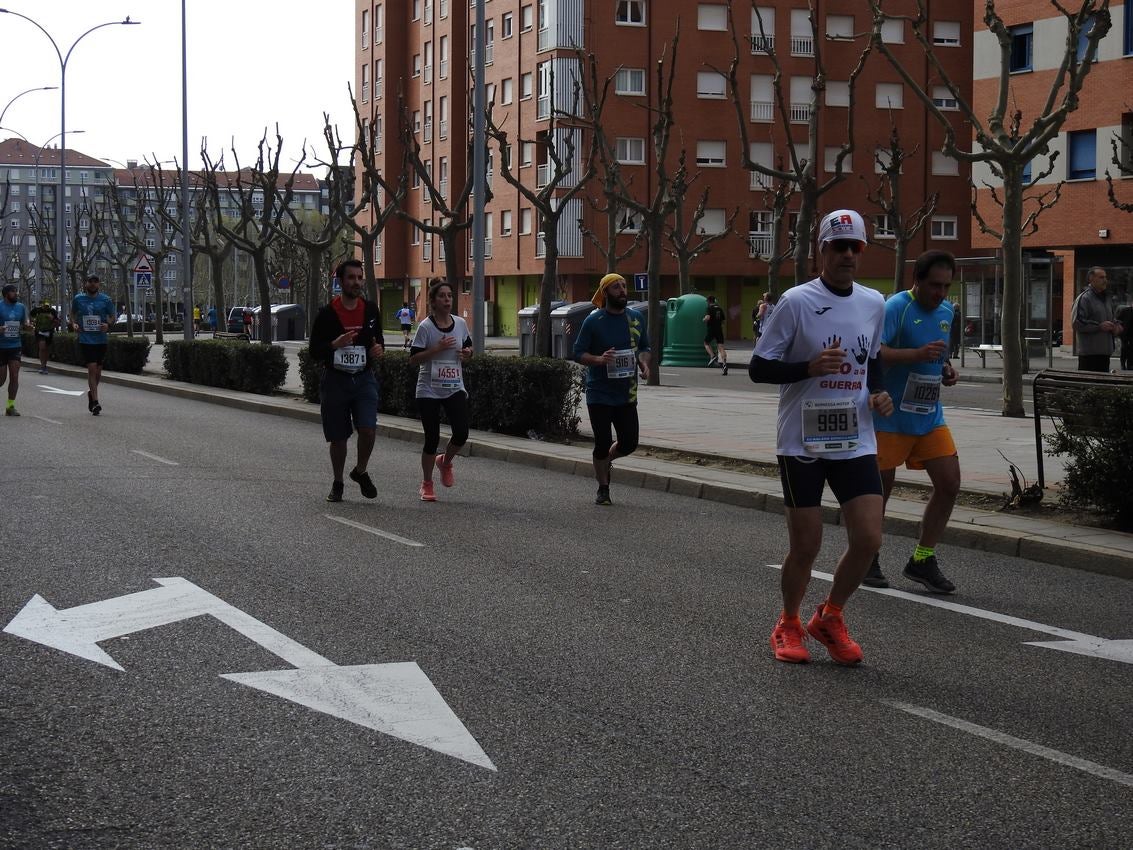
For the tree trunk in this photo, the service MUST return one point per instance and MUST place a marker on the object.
(216, 272)
(368, 263)
(158, 305)
(656, 320)
(900, 249)
(547, 288)
(260, 264)
(1012, 244)
(124, 282)
(684, 266)
(314, 283)
(454, 268)
(802, 235)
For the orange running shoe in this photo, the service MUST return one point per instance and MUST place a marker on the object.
(788, 642)
(831, 632)
(447, 477)
(426, 492)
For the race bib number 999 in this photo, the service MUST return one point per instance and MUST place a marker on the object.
(830, 425)
(92, 324)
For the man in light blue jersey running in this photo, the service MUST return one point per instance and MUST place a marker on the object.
(92, 313)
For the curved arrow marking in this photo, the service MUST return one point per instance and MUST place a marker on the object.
(395, 699)
(57, 391)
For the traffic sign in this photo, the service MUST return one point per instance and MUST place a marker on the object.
(143, 278)
(283, 282)
(641, 281)
(142, 266)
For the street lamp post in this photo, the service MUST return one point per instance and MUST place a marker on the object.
(61, 240)
(4, 111)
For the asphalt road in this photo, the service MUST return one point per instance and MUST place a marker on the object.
(611, 663)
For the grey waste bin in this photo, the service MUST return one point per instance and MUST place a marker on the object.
(528, 316)
(565, 322)
(657, 345)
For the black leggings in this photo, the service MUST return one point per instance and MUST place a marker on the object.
(456, 408)
(623, 418)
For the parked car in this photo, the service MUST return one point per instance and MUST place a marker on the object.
(236, 319)
(122, 318)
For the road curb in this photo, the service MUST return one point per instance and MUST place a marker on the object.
(756, 492)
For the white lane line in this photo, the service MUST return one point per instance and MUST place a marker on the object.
(388, 535)
(166, 461)
(1057, 756)
(45, 419)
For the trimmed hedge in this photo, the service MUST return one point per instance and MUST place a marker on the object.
(1096, 441)
(123, 354)
(229, 364)
(508, 395)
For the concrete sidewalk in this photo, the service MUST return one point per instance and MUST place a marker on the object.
(732, 423)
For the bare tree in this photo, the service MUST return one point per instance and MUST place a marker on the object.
(901, 227)
(552, 200)
(1122, 147)
(773, 241)
(802, 172)
(259, 195)
(1002, 143)
(687, 238)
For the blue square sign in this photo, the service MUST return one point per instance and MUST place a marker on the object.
(641, 281)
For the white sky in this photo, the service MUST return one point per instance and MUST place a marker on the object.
(252, 64)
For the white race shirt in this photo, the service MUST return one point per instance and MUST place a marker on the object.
(443, 375)
(809, 318)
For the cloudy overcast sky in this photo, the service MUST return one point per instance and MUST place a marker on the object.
(252, 64)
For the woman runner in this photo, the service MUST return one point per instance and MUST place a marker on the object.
(439, 348)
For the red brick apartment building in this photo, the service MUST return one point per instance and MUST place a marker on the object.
(1083, 229)
(422, 48)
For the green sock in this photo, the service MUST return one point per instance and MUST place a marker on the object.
(11, 402)
(922, 553)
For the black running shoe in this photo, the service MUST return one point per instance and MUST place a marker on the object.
(603, 497)
(335, 494)
(96, 409)
(926, 572)
(362, 479)
(724, 369)
(90, 401)
(712, 360)
(875, 577)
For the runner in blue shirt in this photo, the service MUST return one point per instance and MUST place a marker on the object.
(614, 343)
(92, 313)
(914, 352)
(13, 320)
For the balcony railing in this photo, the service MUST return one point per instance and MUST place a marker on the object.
(800, 113)
(802, 45)
(489, 52)
(443, 10)
(379, 34)
(542, 175)
(759, 181)
(543, 107)
(487, 247)
(377, 253)
(540, 244)
(759, 244)
(428, 135)
(379, 88)
(428, 75)
(762, 43)
(442, 189)
(443, 129)
(365, 92)
(427, 250)
(762, 111)
(365, 39)
(441, 250)
(443, 70)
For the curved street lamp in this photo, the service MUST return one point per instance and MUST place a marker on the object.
(61, 245)
(4, 111)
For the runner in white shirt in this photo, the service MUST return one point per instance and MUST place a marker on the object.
(821, 345)
(440, 348)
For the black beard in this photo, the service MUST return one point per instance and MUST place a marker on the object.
(617, 303)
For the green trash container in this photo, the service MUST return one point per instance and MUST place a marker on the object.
(684, 331)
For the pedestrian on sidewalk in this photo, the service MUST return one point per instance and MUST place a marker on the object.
(13, 321)
(914, 354)
(714, 334)
(614, 343)
(761, 313)
(46, 321)
(440, 348)
(405, 320)
(1095, 323)
(92, 313)
(347, 340)
(822, 350)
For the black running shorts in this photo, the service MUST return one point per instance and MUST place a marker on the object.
(804, 479)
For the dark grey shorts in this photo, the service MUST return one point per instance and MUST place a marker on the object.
(347, 402)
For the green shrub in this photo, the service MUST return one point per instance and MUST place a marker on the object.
(123, 354)
(230, 364)
(508, 395)
(1096, 441)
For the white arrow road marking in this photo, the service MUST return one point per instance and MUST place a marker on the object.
(1017, 743)
(45, 419)
(1076, 642)
(57, 391)
(396, 699)
(154, 457)
(388, 535)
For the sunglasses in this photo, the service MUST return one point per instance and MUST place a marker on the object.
(840, 246)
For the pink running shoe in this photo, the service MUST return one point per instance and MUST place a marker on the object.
(830, 630)
(447, 478)
(426, 492)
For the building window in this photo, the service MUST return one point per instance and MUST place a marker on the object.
(1124, 146)
(893, 31)
(507, 91)
(762, 29)
(1128, 28)
(525, 86)
(630, 13)
(379, 21)
(838, 93)
(711, 84)
(1022, 40)
(525, 18)
(1082, 155)
(416, 17)
(524, 222)
(526, 154)
(943, 165)
(1084, 38)
(629, 222)
(630, 81)
(889, 96)
(943, 227)
(883, 227)
(830, 154)
(946, 33)
(505, 223)
(944, 98)
(1026, 175)
(365, 28)
(507, 25)
(711, 154)
(416, 64)
(365, 83)
(630, 151)
(712, 17)
(712, 222)
(840, 27)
